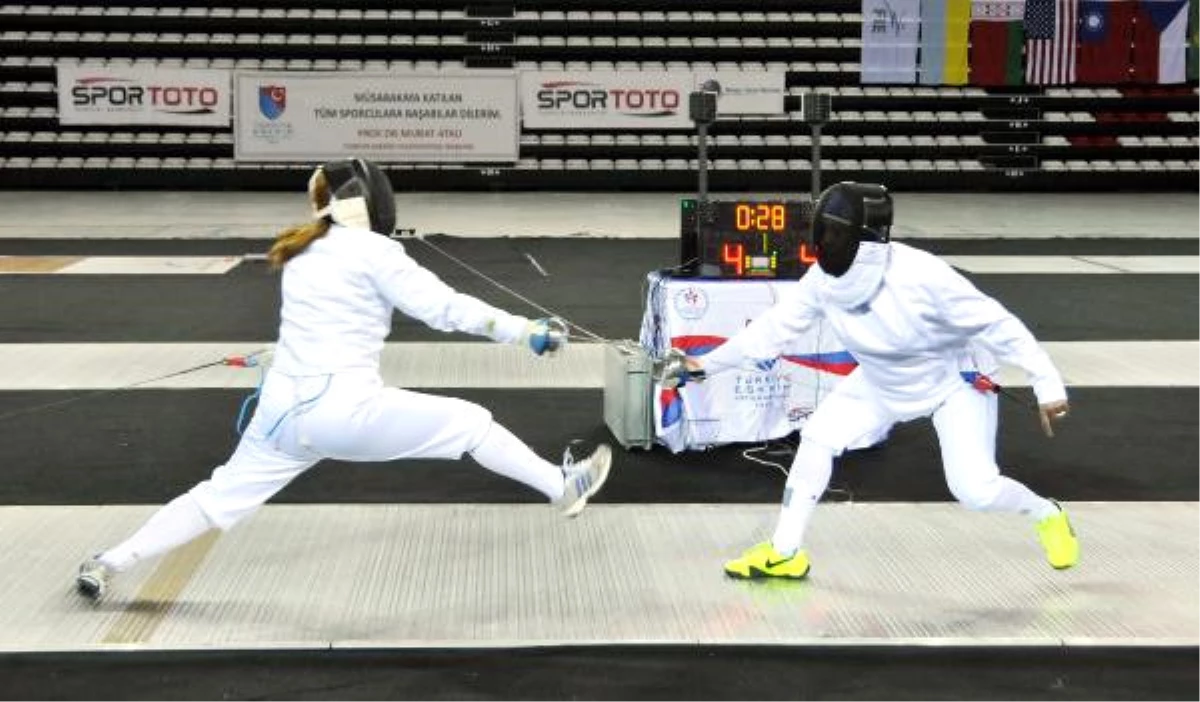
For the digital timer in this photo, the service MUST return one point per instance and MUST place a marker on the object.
(745, 238)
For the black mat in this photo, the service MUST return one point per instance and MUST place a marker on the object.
(146, 446)
(598, 284)
(649, 672)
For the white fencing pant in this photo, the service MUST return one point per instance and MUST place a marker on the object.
(347, 416)
(966, 428)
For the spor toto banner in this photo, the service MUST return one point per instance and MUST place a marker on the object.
(637, 100)
(142, 95)
(392, 117)
(589, 100)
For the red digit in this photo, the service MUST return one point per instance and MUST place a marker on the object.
(806, 256)
(732, 254)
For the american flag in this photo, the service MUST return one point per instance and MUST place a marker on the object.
(1050, 27)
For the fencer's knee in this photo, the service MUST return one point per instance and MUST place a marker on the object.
(977, 495)
(221, 511)
(480, 420)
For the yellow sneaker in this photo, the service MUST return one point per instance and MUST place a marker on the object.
(762, 561)
(1058, 539)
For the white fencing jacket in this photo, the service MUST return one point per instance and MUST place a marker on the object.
(921, 324)
(339, 295)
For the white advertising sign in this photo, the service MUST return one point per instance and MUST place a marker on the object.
(297, 116)
(746, 92)
(638, 100)
(599, 100)
(142, 95)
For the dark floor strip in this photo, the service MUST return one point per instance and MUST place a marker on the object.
(613, 673)
(146, 446)
(600, 289)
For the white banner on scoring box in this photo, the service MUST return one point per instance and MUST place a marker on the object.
(757, 401)
(142, 95)
(639, 100)
(388, 117)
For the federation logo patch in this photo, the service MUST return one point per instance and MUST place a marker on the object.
(272, 100)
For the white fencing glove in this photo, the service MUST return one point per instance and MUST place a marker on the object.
(546, 336)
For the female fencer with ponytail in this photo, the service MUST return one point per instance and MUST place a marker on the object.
(323, 397)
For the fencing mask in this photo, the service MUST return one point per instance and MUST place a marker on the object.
(846, 215)
(360, 195)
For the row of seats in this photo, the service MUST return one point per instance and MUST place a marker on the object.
(646, 141)
(360, 14)
(449, 39)
(1106, 137)
(552, 164)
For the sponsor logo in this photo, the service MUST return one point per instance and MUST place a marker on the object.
(272, 101)
(691, 303)
(761, 389)
(98, 93)
(795, 415)
(582, 97)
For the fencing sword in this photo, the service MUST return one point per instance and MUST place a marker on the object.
(585, 333)
(249, 360)
(664, 367)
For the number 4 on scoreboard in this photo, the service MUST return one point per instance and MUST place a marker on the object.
(734, 254)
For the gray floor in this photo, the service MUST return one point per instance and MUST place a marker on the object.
(641, 215)
(389, 576)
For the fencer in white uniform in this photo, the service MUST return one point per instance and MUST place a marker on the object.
(914, 325)
(323, 396)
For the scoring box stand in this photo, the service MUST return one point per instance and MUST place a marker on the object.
(737, 258)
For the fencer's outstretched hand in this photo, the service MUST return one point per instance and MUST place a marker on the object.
(546, 336)
(1053, 412)
(676, 368)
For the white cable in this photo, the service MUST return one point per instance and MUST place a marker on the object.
(592, 335)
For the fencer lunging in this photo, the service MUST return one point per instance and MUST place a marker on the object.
(323, 396)
(914, 325)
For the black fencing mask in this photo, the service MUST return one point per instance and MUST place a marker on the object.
(846, 215)
(360, 195)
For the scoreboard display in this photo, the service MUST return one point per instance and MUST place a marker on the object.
(746, 238)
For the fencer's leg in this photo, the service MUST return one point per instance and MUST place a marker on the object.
(966, 428)
(502, 452)
(781, 557)
(966, 431)
(173, 525)
(251, 476)
(807, 481)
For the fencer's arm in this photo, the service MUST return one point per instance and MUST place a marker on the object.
(971, 313)
(768, 334)
(418, 293)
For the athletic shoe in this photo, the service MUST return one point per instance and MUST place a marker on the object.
(763, 561)
(93, 578)
(583, 479)
(1058, 539)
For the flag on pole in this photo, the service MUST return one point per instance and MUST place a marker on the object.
(944, 25)
(1160, 41)
(890, 37)
(997, 42)
(1050, 28)
(1105, 41)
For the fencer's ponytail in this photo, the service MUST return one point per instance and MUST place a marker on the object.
(292, 241)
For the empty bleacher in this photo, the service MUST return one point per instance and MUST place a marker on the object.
(911, 137)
